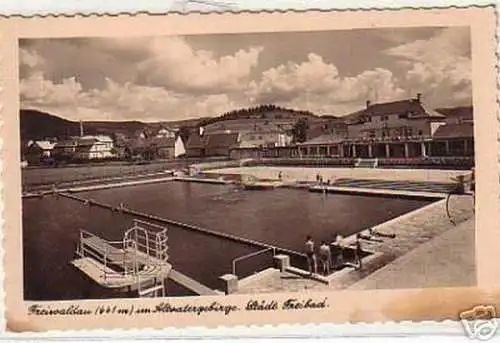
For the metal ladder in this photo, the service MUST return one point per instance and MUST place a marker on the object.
(138, 239)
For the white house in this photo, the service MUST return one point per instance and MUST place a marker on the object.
(44, 148)
(94, 147)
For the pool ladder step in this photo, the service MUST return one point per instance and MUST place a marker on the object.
(152, 291)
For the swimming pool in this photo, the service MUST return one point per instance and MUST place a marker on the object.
(282, 217)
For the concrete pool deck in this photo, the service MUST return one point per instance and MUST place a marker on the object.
(373, 191)
(426, 244)
(301, 174)
(122, 182)
(453, 252)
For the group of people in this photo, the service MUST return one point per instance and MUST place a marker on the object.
(329, 255)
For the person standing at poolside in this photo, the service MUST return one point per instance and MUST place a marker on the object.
(311, 257)
(325, 255)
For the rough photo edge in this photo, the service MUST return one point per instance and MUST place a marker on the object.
(224, 13)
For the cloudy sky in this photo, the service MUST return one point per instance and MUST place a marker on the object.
(172, 78)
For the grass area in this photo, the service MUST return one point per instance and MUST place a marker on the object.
(45, 176)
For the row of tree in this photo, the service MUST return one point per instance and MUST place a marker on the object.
(261, 112)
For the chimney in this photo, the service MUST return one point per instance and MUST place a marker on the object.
(419, 97)
(368, 103)
(81, 128)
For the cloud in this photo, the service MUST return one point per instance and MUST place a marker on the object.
(39, 91)
(30, 58)
(169, 78)
(117, 101)
(174, 64)
(440, 66)
(128, 79)
(317, 85)
(169, 62)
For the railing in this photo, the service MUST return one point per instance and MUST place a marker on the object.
(155, 246)
(366, 162)
(244, 257)
(102, 257)
(124, 253)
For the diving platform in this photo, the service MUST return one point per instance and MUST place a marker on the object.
(139, 262)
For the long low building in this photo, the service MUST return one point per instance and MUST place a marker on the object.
(404, 129)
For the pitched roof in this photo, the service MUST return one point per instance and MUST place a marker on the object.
(462, 130)
(464, 113)
(195, 141)
(44, 145)
(323, 139)
(66, 143)
(87, 141)
(221, 140)
(105, 139)
(413, 106)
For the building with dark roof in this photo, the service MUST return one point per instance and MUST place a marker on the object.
(398, 129)
(214, 144)
(404, 118)
(195, 145)
(455, 139)
(220, 144)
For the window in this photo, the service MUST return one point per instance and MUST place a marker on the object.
(402, 116)
(420, 133)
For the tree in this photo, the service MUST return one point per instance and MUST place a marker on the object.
(299, 130)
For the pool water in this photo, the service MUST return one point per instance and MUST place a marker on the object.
(281, 217)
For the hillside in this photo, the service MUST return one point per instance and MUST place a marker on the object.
(35, 125)
(264, 112)
(38, 125)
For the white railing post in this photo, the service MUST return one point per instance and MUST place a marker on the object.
(241, 258)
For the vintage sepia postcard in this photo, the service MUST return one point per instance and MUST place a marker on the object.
(249, 168)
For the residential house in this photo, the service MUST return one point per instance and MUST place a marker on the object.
(331, 126)
(65, 149)
(398, 129)
(195, 145)
(220, 144)
(167, 147)
(37, 151)
(264, 139)
(215, 144)
(94, 147)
